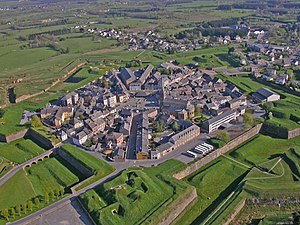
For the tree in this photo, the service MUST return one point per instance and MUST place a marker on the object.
(18, 209)
(51, 195)
(61, 191)
(5, 213)
(175, 126)
(37, 202)
(248, 120)
(231, 50)
(12, 212)
(56, 193)
(223, 136)
(29, 205)
(197, 110)
(35, 121)
(46, 197)
(296, 218)
(24, 208)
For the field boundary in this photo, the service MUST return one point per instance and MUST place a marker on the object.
(72, 71)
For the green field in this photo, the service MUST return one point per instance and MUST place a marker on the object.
(50, 175)
(137, 196)
(20, 150)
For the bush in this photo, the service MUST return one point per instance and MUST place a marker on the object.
(200, 59)
(216, 143)
(223, 136)
(274, 130)
(280, 114)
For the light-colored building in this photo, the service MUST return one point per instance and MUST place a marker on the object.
(217, 121)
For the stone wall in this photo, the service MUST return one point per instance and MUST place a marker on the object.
(40, 138)
(14, 136)
(236, 211)
(215, 154)
(179, 207)
(74, 162)
(294, 133)
(73, 70)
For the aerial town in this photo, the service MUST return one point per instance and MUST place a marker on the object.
(149, 112)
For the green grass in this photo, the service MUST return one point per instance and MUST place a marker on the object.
(260, 148)
(50, 175)
(40, 178)
(16, 190)
(145, 200)
(20, 150)
(213, 183)
(78, 44)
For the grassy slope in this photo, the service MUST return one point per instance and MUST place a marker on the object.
(213, 183)
(50, 175)
(16, 190)
(43, 177)
(20, 150)
(260, 148)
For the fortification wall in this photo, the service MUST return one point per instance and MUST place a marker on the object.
(74, 162)
(40, 138)
(179, 207)
(215, 154)
(236, 211)
(14, 136)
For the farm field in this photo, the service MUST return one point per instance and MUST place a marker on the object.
(20, 150)
(136, 196)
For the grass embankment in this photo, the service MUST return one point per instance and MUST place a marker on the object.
(137, 196)
(95, 165)
(20, 150)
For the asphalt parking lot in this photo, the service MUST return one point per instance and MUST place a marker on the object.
(69, 214)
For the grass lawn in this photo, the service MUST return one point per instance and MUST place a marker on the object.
(137, 196)
(20, 150)
(44, 177)
(78, 44)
